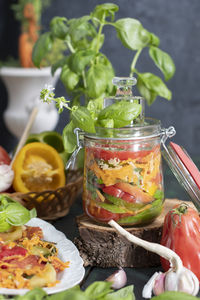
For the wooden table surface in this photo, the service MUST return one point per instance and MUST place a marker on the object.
(136, 276)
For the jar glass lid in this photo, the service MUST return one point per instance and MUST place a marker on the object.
(184, 170)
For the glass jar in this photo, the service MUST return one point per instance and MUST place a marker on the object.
(123, 178)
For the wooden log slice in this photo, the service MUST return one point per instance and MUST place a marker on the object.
(100, 245)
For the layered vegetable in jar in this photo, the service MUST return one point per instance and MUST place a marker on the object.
(123, 177)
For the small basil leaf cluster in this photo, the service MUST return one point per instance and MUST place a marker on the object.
(116, 115)
(86, 71)
(12, 213)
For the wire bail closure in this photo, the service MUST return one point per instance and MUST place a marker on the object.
(167, 133)
(72, 160)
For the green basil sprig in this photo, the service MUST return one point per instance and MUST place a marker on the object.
(13, 213)
(117, 115)
(100, 290)
(86, 71)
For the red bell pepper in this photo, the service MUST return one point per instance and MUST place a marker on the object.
(181, 233)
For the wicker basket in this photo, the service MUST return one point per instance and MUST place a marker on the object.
(53, 204)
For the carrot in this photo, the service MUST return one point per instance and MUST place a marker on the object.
(28, 38)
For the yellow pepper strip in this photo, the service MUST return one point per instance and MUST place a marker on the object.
(38, 167)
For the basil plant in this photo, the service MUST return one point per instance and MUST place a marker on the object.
(85, 70)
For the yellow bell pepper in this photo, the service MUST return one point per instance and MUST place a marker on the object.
(38, 167)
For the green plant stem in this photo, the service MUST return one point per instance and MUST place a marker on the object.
(69, 45)
(135, 61)
(99, 33)
(84, 79)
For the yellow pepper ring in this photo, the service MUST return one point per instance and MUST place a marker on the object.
(38, 167)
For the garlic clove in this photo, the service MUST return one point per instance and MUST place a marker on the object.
(118, 279)
(6, 177)
(188, 282)
(159, 284)
(149, 286)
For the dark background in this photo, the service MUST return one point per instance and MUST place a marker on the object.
(176, 23)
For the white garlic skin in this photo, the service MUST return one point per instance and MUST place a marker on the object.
(6, 177)
(118, 279)
(185, 281)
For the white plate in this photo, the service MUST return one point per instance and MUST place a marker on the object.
(67, 251)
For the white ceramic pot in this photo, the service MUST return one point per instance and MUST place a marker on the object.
(24, 86)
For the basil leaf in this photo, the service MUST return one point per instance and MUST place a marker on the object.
(95, 106)
(98, 289)
(155, 41)
(35, 294)
(69, 137)
(122, 112)
(174, 296)
(97, 42)
(69, 78)
(59, 28)
(96, 81)
(132, 34)
(41, 48)
(82, 119)
(155, 85)
(80, 28)
(163, 61)
(3, 297)
(149, 95)
(33, 213)
(79, 60)
(107, 123)
(4, 225)
(105, 10)
(109, 73)
(125, 293)
(73, 293)
(16, 214)
(58, 64)
(13, 213)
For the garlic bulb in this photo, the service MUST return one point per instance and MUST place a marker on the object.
(6, 177)
(177, 278)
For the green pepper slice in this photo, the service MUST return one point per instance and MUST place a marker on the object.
(113, 208)
(123, 203)
(144, 217)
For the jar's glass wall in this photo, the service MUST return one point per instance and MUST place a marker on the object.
(123, 179)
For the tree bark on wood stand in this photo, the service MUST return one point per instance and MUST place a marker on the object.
(100, 245)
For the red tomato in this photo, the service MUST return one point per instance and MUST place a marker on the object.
(128, 198)
(122, 154)
(29, 261)
(16, 250)
(4, 156)
(181, 233)
(100, 214)
(113, 191)
(135, 191)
